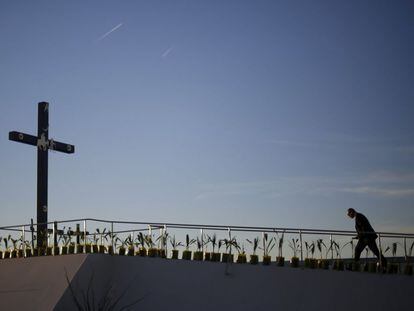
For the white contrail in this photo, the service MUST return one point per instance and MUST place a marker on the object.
(166, 52)
(109, 32)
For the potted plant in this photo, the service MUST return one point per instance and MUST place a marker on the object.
(152, 250)
(354, 265)
(294, 245)
(213, 240)
(268, 245)
(7, 251)
(392, 267)
(408, 269)
(140, 243)
(322, 263)
(338, 263)
(174, 245)
(188, 242)
(17, 251)
(241, 257)
(198, 254)
(280, 260)
(229, 243)
(162, 244)
(123, 244)
(254, 259)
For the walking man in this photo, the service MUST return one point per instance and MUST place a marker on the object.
(366, 236)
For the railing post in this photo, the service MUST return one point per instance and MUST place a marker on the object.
(229, 231)
(380, 250)
(112, 237)
(330, 238)
(405, 249)
(84, 235)
(202, 241)
(165, 241)
(23, 242)
(54, 237)
(301, 245)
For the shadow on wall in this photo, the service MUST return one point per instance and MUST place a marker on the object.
(99, 291)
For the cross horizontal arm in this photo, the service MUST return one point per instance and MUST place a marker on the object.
(62, 147)
(23, 138)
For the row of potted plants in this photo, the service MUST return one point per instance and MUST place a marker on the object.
(146, 245)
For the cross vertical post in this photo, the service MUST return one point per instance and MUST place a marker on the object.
(42, 171)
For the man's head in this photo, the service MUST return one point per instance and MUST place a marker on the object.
(351, 212)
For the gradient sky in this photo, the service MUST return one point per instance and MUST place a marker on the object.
(268, 113)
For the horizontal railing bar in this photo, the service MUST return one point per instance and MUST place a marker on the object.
(218, 228)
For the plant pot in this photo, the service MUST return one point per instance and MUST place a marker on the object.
(392, 268)
(110, 250)
(71, 249)
(198, 256)
(152, 252)
(323, 264)
(88, 248)
(370, 267)
(121, 251)
(266, 260)
(254, 259)
(186, 255)
(13, 254)
(6, 255)
(131, 251)
(207, 256)
(56, 251)
(142, 251)
(162, 253)
(174, 254)
(280, 261)
(216, 257)
(95, 248)
(408, 269)
(49, 251)
(64, 250)
(227, 257)
(313, 263)
(79, 248)
(101, 249)
(41, 251)
(294, 262)
(241, 258)
(338, 264)
(20, 253)
(28, 252)
(307, 262)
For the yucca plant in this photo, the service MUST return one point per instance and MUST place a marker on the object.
(7, 250)
(174, 245)
(267, 247)
(152, 250)
(214, 242)
(229, 243)
(241, 257)
(188, 242)
(392, 267)
(338, 264)
(408, 269)
(198, 254)
(162, 244)
(294, 245)
(254, 259)
(280, 260)
(140, 242)
(322, 263)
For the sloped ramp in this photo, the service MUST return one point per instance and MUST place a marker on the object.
(136, 283)
(35, 283)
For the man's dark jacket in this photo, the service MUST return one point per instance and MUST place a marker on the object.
(364, 228)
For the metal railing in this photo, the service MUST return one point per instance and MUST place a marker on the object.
(132, 227)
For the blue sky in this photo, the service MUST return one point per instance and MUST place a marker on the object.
(273, 113)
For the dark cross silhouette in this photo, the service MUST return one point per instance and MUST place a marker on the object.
(43, 144)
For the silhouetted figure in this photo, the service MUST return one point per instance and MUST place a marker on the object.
(366, 236)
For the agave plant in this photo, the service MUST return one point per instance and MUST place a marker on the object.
(280, 244)
(254, 243)
(294, 245)
(174, 243)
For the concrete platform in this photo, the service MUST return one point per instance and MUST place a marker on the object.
(135, 283)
